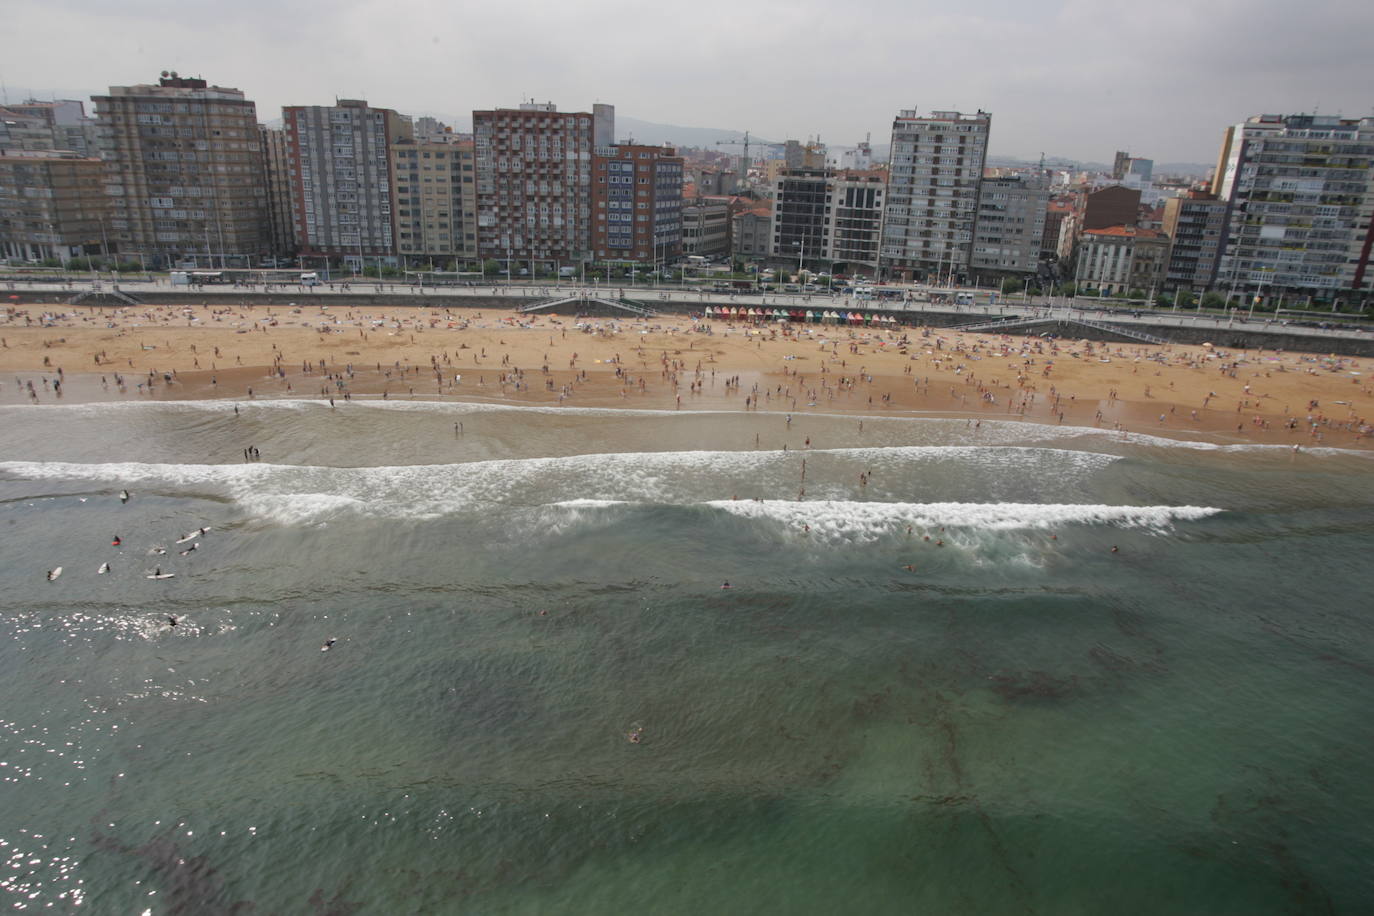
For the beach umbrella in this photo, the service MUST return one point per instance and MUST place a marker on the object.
(810, 314)
(1207, 345)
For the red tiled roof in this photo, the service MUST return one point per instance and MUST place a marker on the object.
(1126, 232)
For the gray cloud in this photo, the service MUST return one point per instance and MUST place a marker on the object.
(1069, 77)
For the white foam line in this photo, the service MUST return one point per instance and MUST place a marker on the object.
(298, 493)
(833, 515)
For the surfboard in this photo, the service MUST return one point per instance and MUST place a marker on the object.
(193, 535)
(104, 568)
(54, 573)
(161, 576)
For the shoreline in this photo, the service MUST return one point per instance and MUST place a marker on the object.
(1185, 393)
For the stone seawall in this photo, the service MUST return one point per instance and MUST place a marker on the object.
(1272, 337)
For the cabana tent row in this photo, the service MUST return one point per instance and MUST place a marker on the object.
(814, 316)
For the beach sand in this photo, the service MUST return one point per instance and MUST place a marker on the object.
(673, 362)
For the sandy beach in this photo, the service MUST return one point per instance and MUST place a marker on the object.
(670, 362)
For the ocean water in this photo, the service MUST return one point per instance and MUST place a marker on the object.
(936, 689)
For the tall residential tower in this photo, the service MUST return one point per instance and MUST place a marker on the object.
(932, 195)
(184, 172)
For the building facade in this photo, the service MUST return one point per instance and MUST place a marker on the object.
(534, 180)
(854, 221)
(277, 175)
(636, 200)
(801, 214)
(932, 196)
(59, 125)
(1300, 189)
(1010, 226)
(52, 205)
(341, 179)
(1194, 225)
(435, 194)
(751, 232)
(1122, 259)
(705, 227)
(184, 172)
(1055, 213)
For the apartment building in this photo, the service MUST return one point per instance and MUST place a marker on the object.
(435, 195)
(534, 181)
(1194, 225)
(1055, 213)
(1300, 189)
(1010, 225)
(341, 182)
(932, 195)
(1114, 205)
(1122, 259)
(801, 214)
(706, 227)
(52, 205)
(184, 172)
(58, 125)
(751, 232)
(636, 202)
(854, 221)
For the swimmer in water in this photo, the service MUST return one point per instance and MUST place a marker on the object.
(909, 568)
(171, 621)
(725, 585)
(1115, 549)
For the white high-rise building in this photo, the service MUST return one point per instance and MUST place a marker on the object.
(341, 178)
(1301, 194)
(934, 170)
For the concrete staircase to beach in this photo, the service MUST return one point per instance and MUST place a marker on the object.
(997, 325)
(624, 305)
(100, 295)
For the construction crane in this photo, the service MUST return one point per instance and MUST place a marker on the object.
(744, 159)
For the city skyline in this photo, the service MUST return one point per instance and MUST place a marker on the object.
(1063, 78)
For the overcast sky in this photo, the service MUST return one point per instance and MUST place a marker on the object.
(1073, 78)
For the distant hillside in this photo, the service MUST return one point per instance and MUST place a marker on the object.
(653, 133)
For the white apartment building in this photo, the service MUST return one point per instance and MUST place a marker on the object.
(341, 178)
(1301, 195)
(934, 169)
(854, 223)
